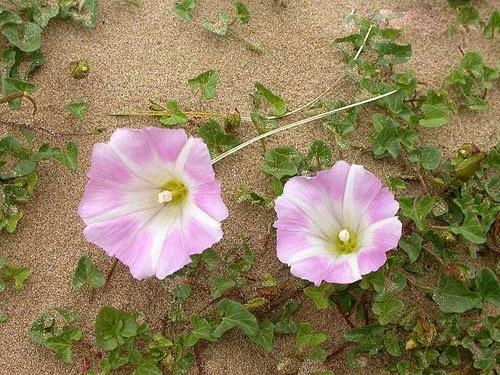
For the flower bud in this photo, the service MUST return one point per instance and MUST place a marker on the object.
(79, 69)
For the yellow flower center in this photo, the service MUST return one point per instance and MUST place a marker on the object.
(345, 242)
(174, 191)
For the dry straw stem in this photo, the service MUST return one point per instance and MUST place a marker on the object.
(307, 105)
(297, 124)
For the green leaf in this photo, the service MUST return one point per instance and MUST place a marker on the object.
(147, 368)
(320, 153)
(113, 327)
(340, 123)
(7, 17)
(85, 16)
(435, 111)
(12, 86)
(62, 343)
(52, 330)
(391, 344)
(455, 297)
(78, 110)
(386, 140)
(395, 184)
(492, 187)
(390, 53)
(276, 101)
(242, 12)
(68, 157)
(387, 310)
(26, 37)
(177, 117)
(434, 116)
(306, 338)
(234, 314)
(468, 16)
(487, 286)
(412, 245)
(216, 139)
(220, 27)
(202, 329)
(282, 161)
(184, 9)
(320, 295)
(450, 356)
(429, 158)
(220, 285)
(86, 273)
(365, 335)
(458, 3)
(493, 24)
(417, 209)
(375, 279)
(181, 292)
(471, 229)
(264, 336)
(42, 14)
(206, 82)
(18, 275)
(245, 195)
(23, 168)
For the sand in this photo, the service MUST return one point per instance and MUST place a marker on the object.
(137, 54)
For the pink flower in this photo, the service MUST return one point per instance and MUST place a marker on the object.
(152, 200)
(337, 225)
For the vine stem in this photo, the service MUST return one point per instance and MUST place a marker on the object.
(416, 285)
(344, 315)
(39, 128)
(19, 95)
(329, 88)
(169, 113)
(297, 124)
(110, 274)
(364, 43)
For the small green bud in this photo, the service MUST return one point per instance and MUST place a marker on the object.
(256, 303)
(232, 122)
(411, 344)
(79, 69)
(468, 149)
(256, 47)
(465, 169)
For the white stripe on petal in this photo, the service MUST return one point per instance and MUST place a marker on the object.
(134, 202)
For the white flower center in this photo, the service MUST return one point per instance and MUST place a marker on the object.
(165, 196)
(344, 235)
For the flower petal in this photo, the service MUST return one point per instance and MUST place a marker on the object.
(304, 194)
(370, 261)
(383, 206)
(102, 201)
(195, 162)
(360, 189)
(128, 239)
(150, 152)
(208, 197)
(341, 270)
(192, 234)
(381, 236)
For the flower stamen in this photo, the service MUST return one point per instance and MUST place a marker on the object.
(165, 196)
(344, 235)
(345, 242)
(173, 192)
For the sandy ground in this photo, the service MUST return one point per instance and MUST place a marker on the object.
(145, 53)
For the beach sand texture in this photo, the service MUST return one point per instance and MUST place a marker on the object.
(137, 54)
